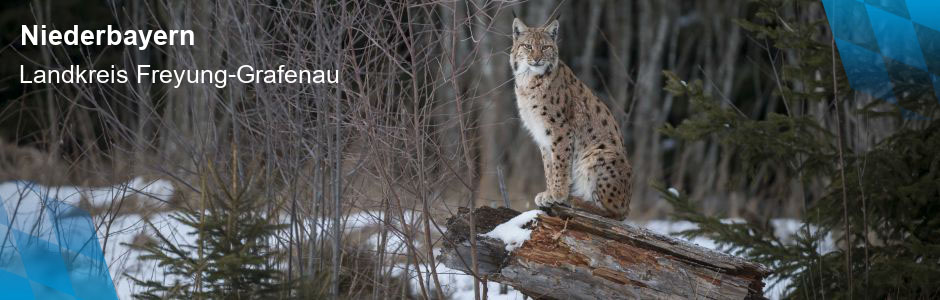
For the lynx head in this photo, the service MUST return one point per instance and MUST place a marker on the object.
(534, 49)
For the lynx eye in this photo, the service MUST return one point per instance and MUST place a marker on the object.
(527, 46)
(546, 48)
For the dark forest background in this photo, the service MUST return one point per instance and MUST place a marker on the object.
(619, 48)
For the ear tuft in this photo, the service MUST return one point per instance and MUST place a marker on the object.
(518, 27)
(552, 29)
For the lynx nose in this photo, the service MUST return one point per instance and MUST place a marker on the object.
(537, 63)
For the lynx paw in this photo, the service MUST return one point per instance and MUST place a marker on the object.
(545, 199)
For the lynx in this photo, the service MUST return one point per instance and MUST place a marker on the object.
(582, 148)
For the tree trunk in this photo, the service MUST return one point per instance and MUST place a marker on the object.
(576, 255)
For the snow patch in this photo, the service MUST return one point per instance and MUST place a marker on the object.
(394, 243)
(151, 192)
(454, 283)
(674, 192)
(511, 232)
(26, 205)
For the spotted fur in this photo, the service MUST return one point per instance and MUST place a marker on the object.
(582, 148)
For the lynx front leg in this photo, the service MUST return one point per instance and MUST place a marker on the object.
(546, 163)
(544, 199)
(558, 169)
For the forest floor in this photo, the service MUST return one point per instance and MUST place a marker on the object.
(141, 201)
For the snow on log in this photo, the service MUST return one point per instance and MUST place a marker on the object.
(577, 255)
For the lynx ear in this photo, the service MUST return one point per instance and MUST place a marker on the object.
(517, 27)
(552, 29)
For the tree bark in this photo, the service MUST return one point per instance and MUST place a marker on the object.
(576, 255)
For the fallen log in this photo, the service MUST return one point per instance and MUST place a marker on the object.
(577, 255)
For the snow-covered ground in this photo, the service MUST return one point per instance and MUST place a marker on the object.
(27, 206)
(116, 232)
(459, 285)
